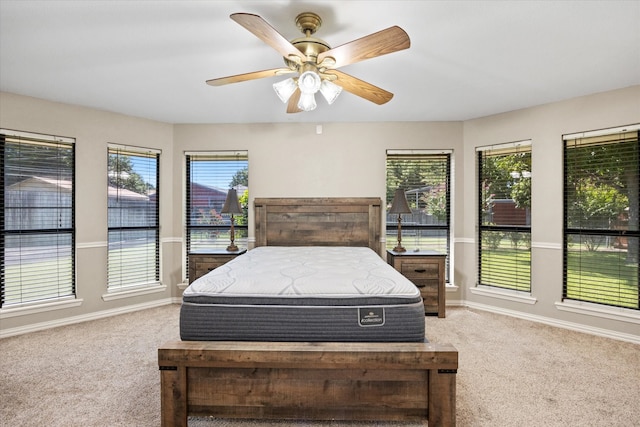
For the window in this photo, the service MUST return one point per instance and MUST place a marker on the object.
(601, 217)
(133, 206)
(38, 235)
(209, 176)
(504, 208)
(425, 176)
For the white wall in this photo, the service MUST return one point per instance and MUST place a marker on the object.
(346, 159)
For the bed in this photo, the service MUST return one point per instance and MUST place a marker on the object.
(376, 367)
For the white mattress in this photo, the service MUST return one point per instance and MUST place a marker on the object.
(308, 271)
(303, 294)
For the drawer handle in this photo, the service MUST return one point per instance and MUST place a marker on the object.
(420, 270)
(211, 268)
(420, 286)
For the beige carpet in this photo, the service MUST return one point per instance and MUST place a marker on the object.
(512, 373)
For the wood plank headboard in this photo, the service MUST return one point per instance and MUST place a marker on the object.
(326, 221)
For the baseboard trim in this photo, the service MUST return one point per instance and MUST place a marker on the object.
(606, 333)
(86, 317)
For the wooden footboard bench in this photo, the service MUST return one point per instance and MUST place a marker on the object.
(307, 380)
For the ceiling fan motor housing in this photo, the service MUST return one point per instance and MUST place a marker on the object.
(311, 47)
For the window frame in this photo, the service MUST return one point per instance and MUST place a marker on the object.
(391, 226)
(66, 289)
(119, 282)
(241, 230)
(499, 282)
(590, 295)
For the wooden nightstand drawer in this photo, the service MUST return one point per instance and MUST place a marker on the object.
(202, 267)
(430, 298)
(431, 284)
(200, 263)
(419, 270)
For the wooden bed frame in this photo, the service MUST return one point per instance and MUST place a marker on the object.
(310, 380)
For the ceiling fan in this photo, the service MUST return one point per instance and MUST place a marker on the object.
(316, 63)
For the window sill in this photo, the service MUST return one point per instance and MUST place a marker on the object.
(133, 292)
(35, 308)
(516, 296)
(614, 313)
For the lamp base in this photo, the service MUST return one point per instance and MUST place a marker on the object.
(232, 248)
(399, 249)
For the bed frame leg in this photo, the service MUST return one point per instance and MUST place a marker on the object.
(173, 396)
(442, 397)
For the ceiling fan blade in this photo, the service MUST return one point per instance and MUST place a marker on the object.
(292, 105)
(265, 32)
(249, 76)
(361, 88)
(381, 43)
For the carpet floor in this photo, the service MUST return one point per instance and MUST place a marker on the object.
(511, 372)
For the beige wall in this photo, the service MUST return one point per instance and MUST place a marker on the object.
(346, 159)
(544, 126)
(292, 160)
(93, 130)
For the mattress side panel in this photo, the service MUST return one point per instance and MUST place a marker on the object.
(392, 323)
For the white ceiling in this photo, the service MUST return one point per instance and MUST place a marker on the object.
(467, 59)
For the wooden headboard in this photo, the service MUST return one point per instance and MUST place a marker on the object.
(318, 222)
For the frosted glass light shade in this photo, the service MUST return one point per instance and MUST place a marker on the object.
(309, 82)
(285, 89)
(307, 102)
(330, 91)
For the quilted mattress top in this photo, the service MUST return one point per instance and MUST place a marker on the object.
(304, 272)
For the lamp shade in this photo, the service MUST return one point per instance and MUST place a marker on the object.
(399, 204)
(330, 91)
(285, 89)
(307, 102)
(309, 82)
(231, 203)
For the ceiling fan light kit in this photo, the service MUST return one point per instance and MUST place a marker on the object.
(316, 62)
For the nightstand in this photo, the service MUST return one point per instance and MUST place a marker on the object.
(202, 262)
(426, 270)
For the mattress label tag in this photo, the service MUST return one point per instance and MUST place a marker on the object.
(371, 316)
